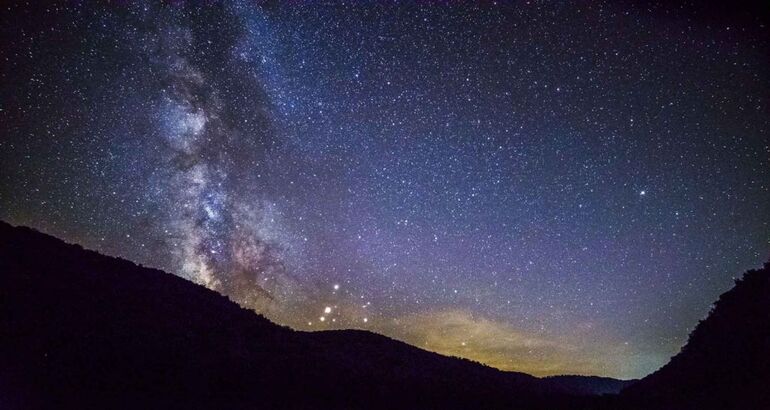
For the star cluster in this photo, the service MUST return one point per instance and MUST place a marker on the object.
(540, 186)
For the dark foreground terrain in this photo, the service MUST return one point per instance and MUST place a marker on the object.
(82, 330)
(725, 363)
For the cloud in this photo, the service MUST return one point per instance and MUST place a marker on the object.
(462, 333)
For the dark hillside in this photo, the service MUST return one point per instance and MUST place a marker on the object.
(78, 329)
(726, 361)
(587, 385)
(82, 330)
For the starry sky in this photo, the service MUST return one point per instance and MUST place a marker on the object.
(540, 186)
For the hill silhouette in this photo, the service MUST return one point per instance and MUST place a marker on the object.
(83, 330)
(587, 385)
(726, 361)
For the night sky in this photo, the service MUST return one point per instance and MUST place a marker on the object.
(537, 186)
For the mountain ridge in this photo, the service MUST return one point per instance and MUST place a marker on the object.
(79, 329)
(725, 363)
(76, 321)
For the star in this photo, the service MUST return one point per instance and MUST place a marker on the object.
(455, 175)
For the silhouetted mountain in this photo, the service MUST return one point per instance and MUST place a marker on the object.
(79, 329)
(83, 330)
(587, 385)
(726, 361)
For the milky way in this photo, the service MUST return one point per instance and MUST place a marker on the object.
(221, 232)
(541, 187)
